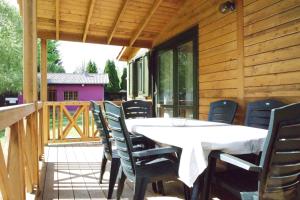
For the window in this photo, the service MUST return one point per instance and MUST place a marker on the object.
(51, 95)
(138, 77)
(131, 80)
(70, 95)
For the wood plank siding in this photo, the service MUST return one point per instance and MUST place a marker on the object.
(249, 54)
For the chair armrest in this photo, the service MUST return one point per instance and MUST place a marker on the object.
(138, 138)
(235, 161)
(154, 152)
(142, 140)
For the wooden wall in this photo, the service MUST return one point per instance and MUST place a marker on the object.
(251, 53)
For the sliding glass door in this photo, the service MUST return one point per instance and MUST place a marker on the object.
(165, 85)
(177, 80)
(185, 80)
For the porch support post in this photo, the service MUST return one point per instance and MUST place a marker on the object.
(43, 70)
(44, 93)
(29, 52)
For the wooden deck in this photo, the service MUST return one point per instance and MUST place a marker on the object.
(71, 171)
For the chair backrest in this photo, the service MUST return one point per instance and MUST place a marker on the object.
(259, 112)
(222, 111)
(115, 118)
(137, 109)
(101, 126)
(281, 155)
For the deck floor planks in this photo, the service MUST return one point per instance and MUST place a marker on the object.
(64, 178)
(72, 172)
(78, 182)
(89, 169)
(50, 190)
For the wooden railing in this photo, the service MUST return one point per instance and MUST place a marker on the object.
(69, 121)
(20, 150)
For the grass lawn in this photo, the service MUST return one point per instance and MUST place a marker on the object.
(2, 134)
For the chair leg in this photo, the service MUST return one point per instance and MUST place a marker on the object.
(121, 182)
(103, 165)
(205, 194)
(196, 188)
(154, 188)
(115, 164)
(187, 192)
(160, 188)
(140, 187)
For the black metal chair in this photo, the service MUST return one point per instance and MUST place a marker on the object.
(141, 167)
(137, 109)
(277, 175)
(108, 153)
(222, 111)
(259, 112)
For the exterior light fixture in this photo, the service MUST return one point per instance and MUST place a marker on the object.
(227, 6)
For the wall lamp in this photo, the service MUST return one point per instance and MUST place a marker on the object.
(227, 6)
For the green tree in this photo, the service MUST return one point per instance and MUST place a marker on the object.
(54, 64)
(114, 83)
(11, 40)
(11, 50)
(123, 84)
(91, 67)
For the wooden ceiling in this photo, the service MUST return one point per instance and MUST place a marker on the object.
(133, 23)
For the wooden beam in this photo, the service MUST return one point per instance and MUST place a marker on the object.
(43, 70)
(144, 22)
(127, 53)
(29, 51)
(121, 53)
(57, 4)
(88, 20)
(93, 39)
(117, 21)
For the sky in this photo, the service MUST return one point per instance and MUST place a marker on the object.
(75, 54)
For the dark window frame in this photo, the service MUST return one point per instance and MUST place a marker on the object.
(52, 95)
(70, 95)
(138, 76)
(182, 38)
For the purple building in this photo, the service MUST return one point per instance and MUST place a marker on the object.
(76, 87)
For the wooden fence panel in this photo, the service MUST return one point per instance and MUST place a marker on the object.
(70, 121)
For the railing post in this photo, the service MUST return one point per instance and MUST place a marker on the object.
(15, 163)
(40, 123)
(45, 124)
(86, 121)
(27, 157)
(5, 184)
(32, 139)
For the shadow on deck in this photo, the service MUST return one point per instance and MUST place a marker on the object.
(71, 171)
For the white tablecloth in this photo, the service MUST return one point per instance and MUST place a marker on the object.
(197, 139)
